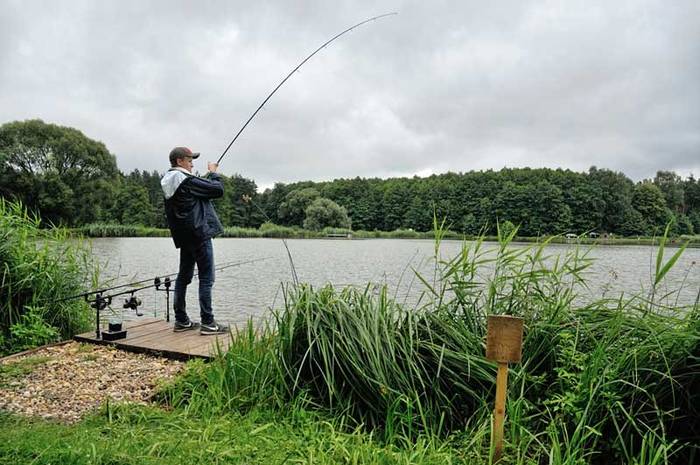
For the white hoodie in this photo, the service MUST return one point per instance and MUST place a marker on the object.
(172, 180)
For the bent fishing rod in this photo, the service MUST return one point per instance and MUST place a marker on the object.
(296, 68)
(325, 44)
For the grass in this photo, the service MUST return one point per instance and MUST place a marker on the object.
(141, 435)
(14, 370)
(119, 230)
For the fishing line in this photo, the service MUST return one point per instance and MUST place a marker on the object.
(131, 291)
(325, 44)
(295, 278)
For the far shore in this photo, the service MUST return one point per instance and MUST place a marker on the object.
(284, 232)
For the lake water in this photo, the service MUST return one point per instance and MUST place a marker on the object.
(251, 289)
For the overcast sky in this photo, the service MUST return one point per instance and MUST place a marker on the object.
(442, 86)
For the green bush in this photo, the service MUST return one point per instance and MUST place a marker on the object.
(32, 331)
(40, 268)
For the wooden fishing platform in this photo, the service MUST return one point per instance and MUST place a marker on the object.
(156, 337)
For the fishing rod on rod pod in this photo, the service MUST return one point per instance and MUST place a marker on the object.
(100, 302)
(136, 283)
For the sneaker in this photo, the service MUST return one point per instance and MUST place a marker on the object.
(213, 328)
(190, 325)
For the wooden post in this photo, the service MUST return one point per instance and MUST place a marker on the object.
(500, 410)
(504, 342)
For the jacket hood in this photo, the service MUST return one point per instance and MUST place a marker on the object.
(172, 180)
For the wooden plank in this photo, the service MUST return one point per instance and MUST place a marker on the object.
(192, 343)
(130, 324)
(151, 340)
(131, 333)
(131, 327)
(209, 349)
(154, 332)
(157, 337)
(156, 342)
(504, 338)
(31, 351)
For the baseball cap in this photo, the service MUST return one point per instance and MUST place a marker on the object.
(181, 152)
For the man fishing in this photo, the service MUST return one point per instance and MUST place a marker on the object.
(193, 223)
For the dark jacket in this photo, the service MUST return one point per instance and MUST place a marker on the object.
(188, 208)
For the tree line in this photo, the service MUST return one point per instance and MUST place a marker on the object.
(541, 201)
(70, 179)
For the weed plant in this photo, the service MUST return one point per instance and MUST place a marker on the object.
(39, 268)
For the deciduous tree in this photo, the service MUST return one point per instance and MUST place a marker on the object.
(56, 170)
(324, 213)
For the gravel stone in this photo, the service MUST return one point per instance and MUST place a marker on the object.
(78, 378)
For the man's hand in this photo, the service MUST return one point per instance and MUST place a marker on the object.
(212, 167)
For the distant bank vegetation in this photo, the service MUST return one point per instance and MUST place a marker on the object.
(270, 230)
(69, 179)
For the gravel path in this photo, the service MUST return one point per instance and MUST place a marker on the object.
(67, 381)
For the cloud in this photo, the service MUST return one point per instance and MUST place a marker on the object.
(441, 86)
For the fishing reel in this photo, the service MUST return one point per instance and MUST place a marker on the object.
(100, 303)
(133, 303)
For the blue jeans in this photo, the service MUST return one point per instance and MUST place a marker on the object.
(203, 255)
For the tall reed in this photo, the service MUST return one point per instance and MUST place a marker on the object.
(601, 381)
(38, 268)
